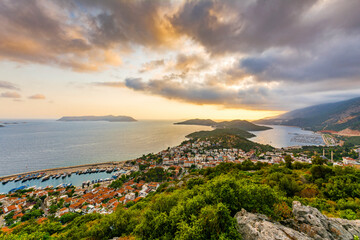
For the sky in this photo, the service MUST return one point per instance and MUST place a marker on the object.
(226, 59)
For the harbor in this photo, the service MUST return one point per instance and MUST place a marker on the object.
(63, 177)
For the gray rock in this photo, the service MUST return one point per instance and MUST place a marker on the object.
(259, 227)
(309, 220)
(308, 223)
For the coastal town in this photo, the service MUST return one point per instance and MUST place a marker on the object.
(134, 180)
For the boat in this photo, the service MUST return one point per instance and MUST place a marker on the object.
(45, 178)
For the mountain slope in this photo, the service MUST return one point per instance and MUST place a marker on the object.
(338, 116)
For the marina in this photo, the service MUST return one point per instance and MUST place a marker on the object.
(51, 179)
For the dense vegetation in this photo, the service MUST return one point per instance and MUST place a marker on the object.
(338, 152)
(229, 138)
(350, 141)
(202, 205)
(221, 132)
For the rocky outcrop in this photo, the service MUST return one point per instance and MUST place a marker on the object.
(308, 223)
(256, 226)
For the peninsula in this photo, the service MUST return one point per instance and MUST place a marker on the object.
(240, 124)
(109, 118)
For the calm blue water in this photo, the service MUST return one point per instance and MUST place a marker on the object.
(75, 180)
(41, 144)
(284, 136)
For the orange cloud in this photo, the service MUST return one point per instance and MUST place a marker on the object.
(37, 97)
(10, 95)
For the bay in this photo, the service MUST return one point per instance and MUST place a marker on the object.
(286, 136)
(40, 144)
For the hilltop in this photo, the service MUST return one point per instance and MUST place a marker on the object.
(221, 132)
(230, 138)
(338, 117)
(240, 124)
(109, 118)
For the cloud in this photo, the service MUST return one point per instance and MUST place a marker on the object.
(8, 85)
(246, 26)
(80, 35)
(252, 98)
(246, 54)
(10, 95)
(152, 65)
(190, 62)
(37, 97)
(109, 84)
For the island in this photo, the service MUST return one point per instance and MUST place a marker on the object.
(109, 118)
(201, 122)
(240, 124)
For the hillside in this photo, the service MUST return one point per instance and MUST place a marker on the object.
(342, 117)
(230, 138)
(221, 132)
(109, 118)
(240, 124)
(230, 201)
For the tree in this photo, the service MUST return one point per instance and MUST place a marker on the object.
(68, 217)
(317, 160)
(116, 184)
(288, 160)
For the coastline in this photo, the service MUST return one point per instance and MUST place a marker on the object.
(69, 169)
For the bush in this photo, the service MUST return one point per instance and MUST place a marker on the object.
(68, 217)
(194, 181)
(348, 214)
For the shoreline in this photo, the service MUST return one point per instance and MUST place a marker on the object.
(70, 169)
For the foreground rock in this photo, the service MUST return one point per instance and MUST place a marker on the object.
(308, 223)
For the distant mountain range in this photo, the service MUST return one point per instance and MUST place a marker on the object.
(239, 124)
(109, 118)
(340, 117)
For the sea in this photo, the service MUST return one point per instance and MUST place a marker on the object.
(286, 136)
(28, 145)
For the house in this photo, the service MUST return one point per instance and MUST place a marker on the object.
(62, 212)
(188, 164)
(130, 196)
(348, 161)
(11, 208)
